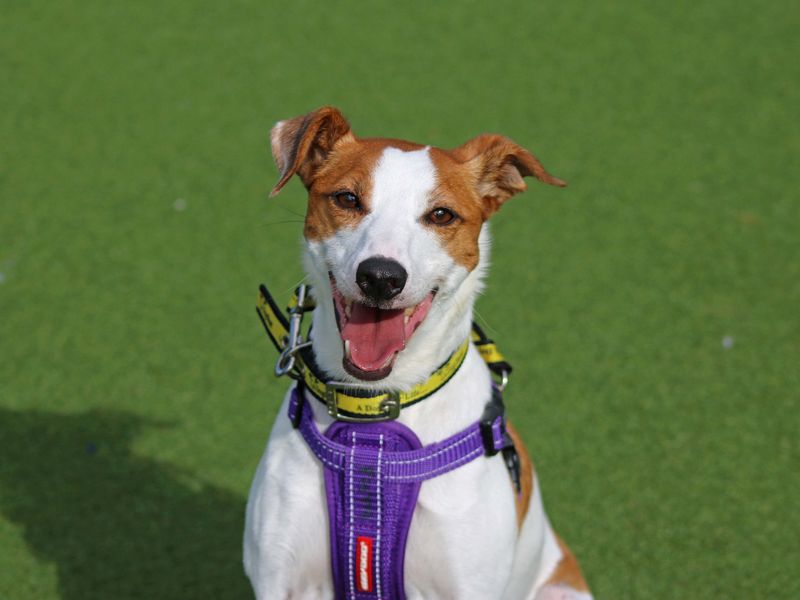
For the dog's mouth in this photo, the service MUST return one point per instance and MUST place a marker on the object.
(374, 336)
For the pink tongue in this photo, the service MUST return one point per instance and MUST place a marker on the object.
(374, 335)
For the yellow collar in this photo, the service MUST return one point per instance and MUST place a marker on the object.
(350, 401)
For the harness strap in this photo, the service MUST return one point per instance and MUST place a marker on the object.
(373, 473)
(493, 358)
(487, 436)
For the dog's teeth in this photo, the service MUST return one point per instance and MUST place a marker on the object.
(348, 309)
(347, 349)
(410, 311)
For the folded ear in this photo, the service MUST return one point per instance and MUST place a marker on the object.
(302, 144)
(499, 166)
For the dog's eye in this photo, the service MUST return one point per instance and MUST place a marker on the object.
(441, 216)
(347, 200)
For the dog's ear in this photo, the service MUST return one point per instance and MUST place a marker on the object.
(300, 145)
(499, 165)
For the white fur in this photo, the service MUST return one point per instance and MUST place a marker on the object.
(463, 542)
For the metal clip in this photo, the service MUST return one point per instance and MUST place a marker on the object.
(294, 342)
(503, 380)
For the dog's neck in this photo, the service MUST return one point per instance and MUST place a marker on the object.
(446, 327)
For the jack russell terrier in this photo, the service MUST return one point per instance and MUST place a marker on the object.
(391, 472)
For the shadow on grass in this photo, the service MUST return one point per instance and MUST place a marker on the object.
(115, 524)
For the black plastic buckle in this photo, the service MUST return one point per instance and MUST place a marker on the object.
(511, 458)
(494, 410)
(487, 436)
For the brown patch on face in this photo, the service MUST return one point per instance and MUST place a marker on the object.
(567, 571)
(455, 191)
(474, 180)
(523, 500)
(348, 167)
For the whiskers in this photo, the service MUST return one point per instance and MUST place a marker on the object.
(292, 288)
(301, 217)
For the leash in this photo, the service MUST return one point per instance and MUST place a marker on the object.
(373, 465)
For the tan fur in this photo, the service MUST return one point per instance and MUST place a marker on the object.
(567, 571)
(349, 167)
(301, 145)
(499, 165)
(525, 475)
(455, 190)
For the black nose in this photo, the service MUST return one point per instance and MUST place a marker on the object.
(381, 278)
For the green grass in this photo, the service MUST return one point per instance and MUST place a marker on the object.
(135, 380)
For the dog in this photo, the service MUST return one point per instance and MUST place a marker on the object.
(396, 247)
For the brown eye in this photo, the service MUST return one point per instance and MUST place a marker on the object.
(347, 200)
(441, 216)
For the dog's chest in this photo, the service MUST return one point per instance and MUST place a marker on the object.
(460, 541)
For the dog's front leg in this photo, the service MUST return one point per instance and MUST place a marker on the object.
(286, 552)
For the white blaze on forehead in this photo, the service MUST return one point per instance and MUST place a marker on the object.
(401, 186)
(402, 179)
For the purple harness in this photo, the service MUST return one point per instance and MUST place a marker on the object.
(373, 472)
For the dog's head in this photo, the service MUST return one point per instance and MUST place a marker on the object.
(395, 240)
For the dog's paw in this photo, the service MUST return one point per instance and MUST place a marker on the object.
(561, 592)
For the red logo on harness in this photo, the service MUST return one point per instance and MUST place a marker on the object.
(364, 564)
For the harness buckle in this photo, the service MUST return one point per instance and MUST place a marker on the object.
(389, 408)
(493, 434)
(513, 465)
(493, 424)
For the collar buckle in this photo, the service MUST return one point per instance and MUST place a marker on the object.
(389, 407)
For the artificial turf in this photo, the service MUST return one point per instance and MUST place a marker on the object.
(651, 309)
